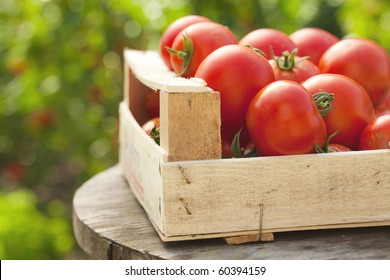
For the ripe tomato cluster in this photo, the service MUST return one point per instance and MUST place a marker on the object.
(286, 94)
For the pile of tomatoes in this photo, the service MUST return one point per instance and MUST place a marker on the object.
(285, 94)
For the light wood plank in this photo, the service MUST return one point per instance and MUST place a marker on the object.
(241, 239)
(190, 125)
(149, 68)
(140, 160)
(297, 192)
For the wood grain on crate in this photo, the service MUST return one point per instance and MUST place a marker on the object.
(140, 158)
(190, 125)
(297, 192)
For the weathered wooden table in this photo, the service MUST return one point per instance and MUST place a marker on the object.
(110, 224)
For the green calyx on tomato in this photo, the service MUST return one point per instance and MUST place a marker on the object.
(185, 55)
(236, 151)
(323, 102)
(325, 147)
(155, 135)
(287, 61)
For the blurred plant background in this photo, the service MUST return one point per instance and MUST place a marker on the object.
(61, 83)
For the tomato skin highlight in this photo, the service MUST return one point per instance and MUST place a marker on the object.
(376, 135)
(238, 73)
(282, 119)
(362, 60)
(313, 42)
(171, 32)
(206, 37)
(266, 38)
(351, 110)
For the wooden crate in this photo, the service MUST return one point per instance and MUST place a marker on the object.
(189, 192)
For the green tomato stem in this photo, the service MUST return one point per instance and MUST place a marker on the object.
(185, 55)
(323, 102)
(236, 151)
(287, 61)
(325, 147)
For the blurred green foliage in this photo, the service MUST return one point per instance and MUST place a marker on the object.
(370, 19)
(26, 233)
(61, 82)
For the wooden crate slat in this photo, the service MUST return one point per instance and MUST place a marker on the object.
(266, 233)
(190, 125)
(152, 72)
(140, 159)
(296, 192)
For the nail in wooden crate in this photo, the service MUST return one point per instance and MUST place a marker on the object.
(189, 192)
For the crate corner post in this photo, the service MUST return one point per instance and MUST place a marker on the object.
(190, 125)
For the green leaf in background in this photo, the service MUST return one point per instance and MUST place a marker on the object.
(369, 19)
(27, 233)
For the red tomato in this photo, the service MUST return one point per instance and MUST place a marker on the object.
(266, 38)
(282, 119)
(238, 73)
(195, 43)
(384, 107)
(332, 148)
(386, 101)
(293, 68)
(313, 42)
(171, 32)
(381, 112)
(362, 60)
(351, 110)
(337, 148)
(376, 135)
